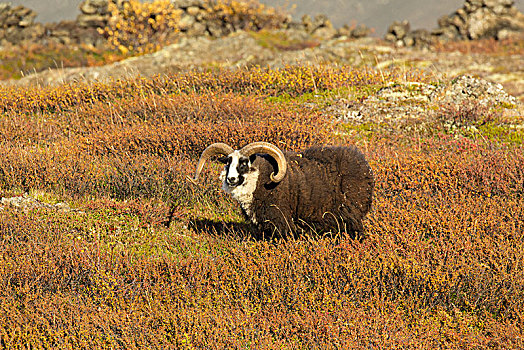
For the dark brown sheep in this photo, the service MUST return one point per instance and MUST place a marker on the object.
(321, 189)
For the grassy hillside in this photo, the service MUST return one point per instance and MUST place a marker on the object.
(147, 259)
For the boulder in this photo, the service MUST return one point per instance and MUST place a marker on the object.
(99, 7)
(397, 32)
(215, 29)
(184, 4)
(360, 31)
(193, 10)
(399, 29)
(186, 22)
(18, 16)
(325, 33)
(197, 29)
(95, 20)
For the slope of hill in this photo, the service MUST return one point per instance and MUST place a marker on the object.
(243, 49)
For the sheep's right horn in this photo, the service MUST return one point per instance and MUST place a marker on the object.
(214, 149)
(273, 151)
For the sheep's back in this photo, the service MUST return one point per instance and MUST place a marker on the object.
(319, 181)
(346, 174)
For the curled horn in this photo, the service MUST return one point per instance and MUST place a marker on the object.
(212, 150)
(273, 151)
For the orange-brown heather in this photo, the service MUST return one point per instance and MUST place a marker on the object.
(440, 266)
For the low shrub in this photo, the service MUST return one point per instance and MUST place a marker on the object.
(141, 27)
(440, 266)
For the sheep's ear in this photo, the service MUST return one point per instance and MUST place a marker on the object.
(252, 158)
(223, 160)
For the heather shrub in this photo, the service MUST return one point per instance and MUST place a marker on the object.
(132, 147)
(445, 209)
(141, 26)
(146, 258)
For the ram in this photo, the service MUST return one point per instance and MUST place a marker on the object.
(323, 189)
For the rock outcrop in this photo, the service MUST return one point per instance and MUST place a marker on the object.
(17, 27)
(27, 203)
(476, 19)
(481, 19)
(17, 24)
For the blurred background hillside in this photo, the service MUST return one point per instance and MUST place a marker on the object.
(377, 14)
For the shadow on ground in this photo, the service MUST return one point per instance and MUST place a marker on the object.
(237, 230)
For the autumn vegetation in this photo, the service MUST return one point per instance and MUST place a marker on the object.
(147, 259)
(141, 26)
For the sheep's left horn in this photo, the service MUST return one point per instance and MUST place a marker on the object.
(273, 151)
(214, 149)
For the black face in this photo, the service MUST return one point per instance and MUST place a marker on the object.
(237, 166)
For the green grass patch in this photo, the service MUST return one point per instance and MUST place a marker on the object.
(365, 130)
(505, 133)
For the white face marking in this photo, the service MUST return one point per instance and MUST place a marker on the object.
(242, 193)
(233, 167)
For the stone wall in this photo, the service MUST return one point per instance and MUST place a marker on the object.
(17, 25)
(477, 19)
(481, 19)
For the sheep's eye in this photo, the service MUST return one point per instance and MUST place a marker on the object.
(243, 165)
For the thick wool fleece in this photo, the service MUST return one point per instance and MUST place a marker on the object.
(325, 189)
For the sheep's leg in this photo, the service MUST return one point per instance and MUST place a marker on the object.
(352, 225)
(277, 222)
